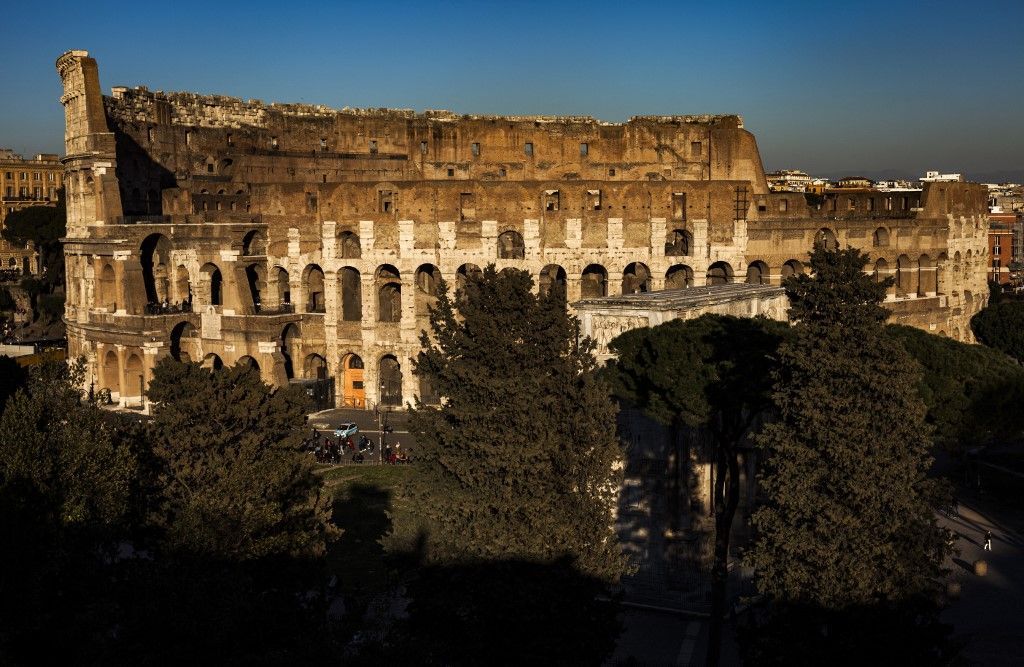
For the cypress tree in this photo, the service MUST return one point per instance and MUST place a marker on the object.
(521, 459)
(848, 520)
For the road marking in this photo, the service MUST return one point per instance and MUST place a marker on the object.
(689, 643)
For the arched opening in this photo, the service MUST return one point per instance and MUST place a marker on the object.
(826, 238)
(678, 243)
(389, 294)
(511, 246)
(880, 239)
(428, 279)
(254, 244)
(248, 362)
(134, 377)
(793, 267)
(314, 367)
(594, 282)
(155, 256)
(289, 343)
(313, 278)
(465, 274)
(184, 342)
(106, 296)
(927, 281)
(678, 276)
(757, 273)
(719, 273)
(354, 392)
(636, 279)
(254, 277)
(881, 269)
(553, 276)
(182, 285)
(283, 284)
(349, 246)
(212, 362)
(390, 381)
(351, 286)
(213, 284)
(111, 375)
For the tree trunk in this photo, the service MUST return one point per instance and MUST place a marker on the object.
(726, 500)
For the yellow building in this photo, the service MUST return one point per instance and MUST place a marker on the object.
(23, 183)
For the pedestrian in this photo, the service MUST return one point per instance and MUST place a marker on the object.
(988, 540)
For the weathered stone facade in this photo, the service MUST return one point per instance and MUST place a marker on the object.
(310, 241)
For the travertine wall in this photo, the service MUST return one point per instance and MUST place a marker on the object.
(306, 237)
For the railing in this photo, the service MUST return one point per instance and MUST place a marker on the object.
(143, 220)
(282, 309)
(168, 308)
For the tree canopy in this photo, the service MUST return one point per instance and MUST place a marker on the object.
(44, 226)
(847, 520)
(1001, 326)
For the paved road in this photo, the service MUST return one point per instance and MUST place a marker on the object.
(989, 616)
(369, 424)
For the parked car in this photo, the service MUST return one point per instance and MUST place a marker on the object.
(346, 430)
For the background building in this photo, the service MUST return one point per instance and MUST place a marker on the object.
(24, 183)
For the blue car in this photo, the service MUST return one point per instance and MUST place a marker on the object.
(346, 430)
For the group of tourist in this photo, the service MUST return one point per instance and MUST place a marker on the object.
(333, 451)
(165, 307)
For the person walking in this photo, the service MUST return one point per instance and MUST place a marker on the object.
(988, 540)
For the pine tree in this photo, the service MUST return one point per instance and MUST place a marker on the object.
(848, 518)
(233, 483)
(520, 461)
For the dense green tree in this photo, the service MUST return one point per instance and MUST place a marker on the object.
(971, 391)
(1001, 326)
(233, 481)
(520, 461)
(848, 519)
(12, 378)
(713, 374)
(67, 487)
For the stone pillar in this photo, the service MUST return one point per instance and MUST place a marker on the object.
(366, 236)
(700, 244)
(573, 233)
(615, 233)
(531, 238)
(406, 238)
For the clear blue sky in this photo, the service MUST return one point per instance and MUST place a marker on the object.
(825, 86)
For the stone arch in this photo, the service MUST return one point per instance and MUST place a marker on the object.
(182, 285)
(880, 239)
(289, 347)
(111, 372)
(349, 247)
(428, 281)
(350, 282)
(155, 256)
(254, 243)
(679, 276)
(106, 294)
(466, 273)
(248, 362)
(283, 285)
(552, 276)
(255, 277)
(678, 243)
(353, 393)
(511, 246)
(594, 282)
(388, 282)
(826, 238)
(757, 273)
(314, 367)
(184, 341)
(719, 273)
(313, 280)
(213, 284)
(134, 376)
(212, 362)
(927, 280)
(390, 373)
(793, 267)
(636, 279)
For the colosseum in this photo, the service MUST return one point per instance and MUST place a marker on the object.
(309, 242)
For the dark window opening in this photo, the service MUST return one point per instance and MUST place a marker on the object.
(475, 148)
(584, 149)
(528, 149)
